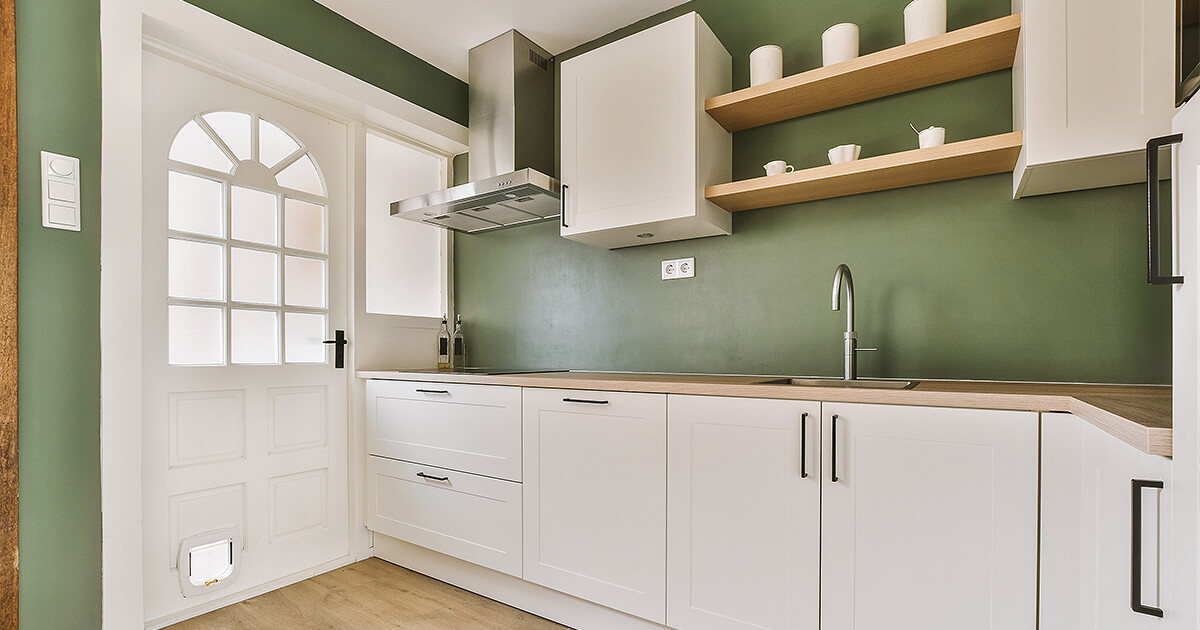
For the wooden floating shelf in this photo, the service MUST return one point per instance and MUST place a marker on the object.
(958, 160)
(967, 52)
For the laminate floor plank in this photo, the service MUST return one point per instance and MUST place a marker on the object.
(368, 595)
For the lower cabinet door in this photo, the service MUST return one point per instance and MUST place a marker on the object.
(929, 518)
(474, 518)
(1088, 507)
(595, 497)
(743, 514)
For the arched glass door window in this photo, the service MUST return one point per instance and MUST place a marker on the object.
(247, 256)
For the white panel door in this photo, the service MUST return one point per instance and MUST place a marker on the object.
(245, 276)
(1086, 535)
(595, 496)
(743, 513)
(928, 518)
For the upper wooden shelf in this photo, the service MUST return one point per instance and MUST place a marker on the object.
(956, 55)
(958, 160)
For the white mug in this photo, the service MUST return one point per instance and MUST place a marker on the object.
(924, 19)
(766, 64)
(844, 153)
(931, 137)
(778, 167)
(839, 43)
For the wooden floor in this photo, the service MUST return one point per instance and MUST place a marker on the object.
(368, 595)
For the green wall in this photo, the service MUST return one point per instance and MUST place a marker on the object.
(954, 280)
(58, 57)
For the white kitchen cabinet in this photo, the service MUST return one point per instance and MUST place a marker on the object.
(928, 518)
(595, 497)
(743, 513)
(475, 518)
(471, 428)
(1088, 505)
(637, 148)
(1092, 82)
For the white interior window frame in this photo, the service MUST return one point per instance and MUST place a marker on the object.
(181, 31)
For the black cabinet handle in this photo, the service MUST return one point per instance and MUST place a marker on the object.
(433, 391)
(833, 449)
(339, 351)
(1135, 546)
(585, 401)
(563, 205)
(803, 446)
(423, 475)
(1153, 216)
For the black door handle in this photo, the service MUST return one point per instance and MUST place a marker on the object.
(563, 206)
(1153, 216)
(1135, 550)
(584, 401)
(424, 476)
(803, 445)
(833, 449)
(339, 351)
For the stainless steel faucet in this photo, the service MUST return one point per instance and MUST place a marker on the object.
(850, 372)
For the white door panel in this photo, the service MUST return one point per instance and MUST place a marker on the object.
(261, 448)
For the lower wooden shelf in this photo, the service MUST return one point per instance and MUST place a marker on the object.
(958, 160)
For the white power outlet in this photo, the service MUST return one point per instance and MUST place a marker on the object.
(678, 268)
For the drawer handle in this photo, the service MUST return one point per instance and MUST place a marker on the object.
(433, 391)
(803, 445)
(424, 476)
(585, 401)
(1135, 565)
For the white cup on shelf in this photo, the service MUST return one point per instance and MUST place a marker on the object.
(778, 167)
(766, 64)
(924, 19)
(844, 153)
(839, 43)
(931, 137)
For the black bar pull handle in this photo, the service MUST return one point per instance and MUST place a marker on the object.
(1153, 215)
(434, 391)
(339, 349)
(803, 446)
(563, 206)
(1135, 546)
(424, 476)
(585, 401)
(833, 449)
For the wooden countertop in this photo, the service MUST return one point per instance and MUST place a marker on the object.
(1139, 415)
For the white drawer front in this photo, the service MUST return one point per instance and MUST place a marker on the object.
(473, 518)
(470, 428)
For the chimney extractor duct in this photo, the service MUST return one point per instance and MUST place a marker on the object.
(511, 100)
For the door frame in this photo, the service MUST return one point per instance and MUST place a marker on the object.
(9, 524)
(198, 38)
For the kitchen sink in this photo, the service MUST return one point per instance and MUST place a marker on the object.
(865, 383)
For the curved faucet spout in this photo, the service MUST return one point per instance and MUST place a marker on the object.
(843, 271)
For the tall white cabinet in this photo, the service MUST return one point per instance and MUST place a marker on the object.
(637, 148)
(595, 466)
(1092, 82)
(743, 514)
(929, 518)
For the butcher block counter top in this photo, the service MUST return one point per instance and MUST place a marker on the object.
(1139, 415)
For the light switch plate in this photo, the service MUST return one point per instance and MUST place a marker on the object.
(60, 192)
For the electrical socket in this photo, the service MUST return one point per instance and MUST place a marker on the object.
(678, 268)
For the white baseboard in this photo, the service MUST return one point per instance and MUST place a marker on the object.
(543, 602)
(240, 596)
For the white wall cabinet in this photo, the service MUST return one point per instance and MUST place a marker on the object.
(1087, 510)
(595, 497)
(637, 148)
(743, 514)
(1093, 81)
(931, 523)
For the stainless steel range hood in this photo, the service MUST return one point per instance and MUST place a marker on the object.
(511, 136)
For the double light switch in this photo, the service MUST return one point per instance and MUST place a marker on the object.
(60, 191)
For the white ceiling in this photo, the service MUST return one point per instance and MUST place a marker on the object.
(442, 31)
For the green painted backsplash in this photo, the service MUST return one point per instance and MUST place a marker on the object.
(953, 280)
